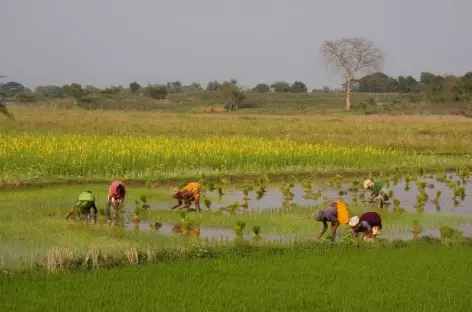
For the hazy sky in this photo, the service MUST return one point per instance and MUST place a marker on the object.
(111, 42)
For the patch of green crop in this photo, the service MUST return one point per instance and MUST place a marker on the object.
(259, 279)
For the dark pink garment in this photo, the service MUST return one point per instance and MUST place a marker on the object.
(114, 190)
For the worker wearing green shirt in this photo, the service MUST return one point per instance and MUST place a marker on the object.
(379, 191)
(85, 202)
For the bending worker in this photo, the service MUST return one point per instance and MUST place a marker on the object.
(370, 224)
(191, 192)
(337, 213)
(379, 192)
(116, 194)
(85, 202)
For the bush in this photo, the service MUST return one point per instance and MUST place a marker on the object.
(157, 92)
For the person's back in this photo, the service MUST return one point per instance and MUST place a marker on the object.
(372, 219)
(378, 186)
(86, 196)
(85, 202)
(117, 191)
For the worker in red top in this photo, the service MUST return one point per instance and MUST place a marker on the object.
(116, 197)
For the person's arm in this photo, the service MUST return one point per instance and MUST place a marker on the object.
(177, 205)
(323, 230)
(354, 233)
(95, 211)
(334, 226)
(373, 195)
(71, 212)
(367, 229)
(197, 204)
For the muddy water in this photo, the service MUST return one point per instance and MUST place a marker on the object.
(223, 234)
(216, 234)
(274, 198)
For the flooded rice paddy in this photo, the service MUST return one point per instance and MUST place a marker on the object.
(442, 196)
(451, 199)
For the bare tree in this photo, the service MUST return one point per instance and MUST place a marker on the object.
(352, 56)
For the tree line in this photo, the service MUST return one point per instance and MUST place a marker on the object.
(377, 82)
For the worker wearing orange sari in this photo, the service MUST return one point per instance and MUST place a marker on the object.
(337, 214)
(190, 192)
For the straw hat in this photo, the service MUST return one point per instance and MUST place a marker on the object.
(354, 221)
(368, 183)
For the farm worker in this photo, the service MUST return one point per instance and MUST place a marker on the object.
(117, 192)
(337, 213)
(190, 192)
(116, 197)
(85, 202)
(370, 224)
(379, 192)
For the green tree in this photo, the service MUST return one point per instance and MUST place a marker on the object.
(134, 86)
(232, 95)
(377, 83)
(25, 97)
(10, 89)
(75, 90)
(214, 86)
(49, 92)
(157, 92)
(280, 86)
(194, 87)
(261, 88)
(174, 87)
(89, 89)
(298, 87)
(407, 84)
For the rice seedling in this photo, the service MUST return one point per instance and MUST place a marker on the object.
(396, 204)
(287, 191)
(156, 224)
(416, 229)
(260, 192)
(246, 189)
(207, 203)
(256, 231)
(239, 229)
(450, 235)
(307, 185)
(136, 216)
(220, 193)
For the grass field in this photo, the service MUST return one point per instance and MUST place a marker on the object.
(416, 277)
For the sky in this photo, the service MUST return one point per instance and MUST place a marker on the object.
(115, 42)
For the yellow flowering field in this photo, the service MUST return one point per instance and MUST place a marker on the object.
(72, 155)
